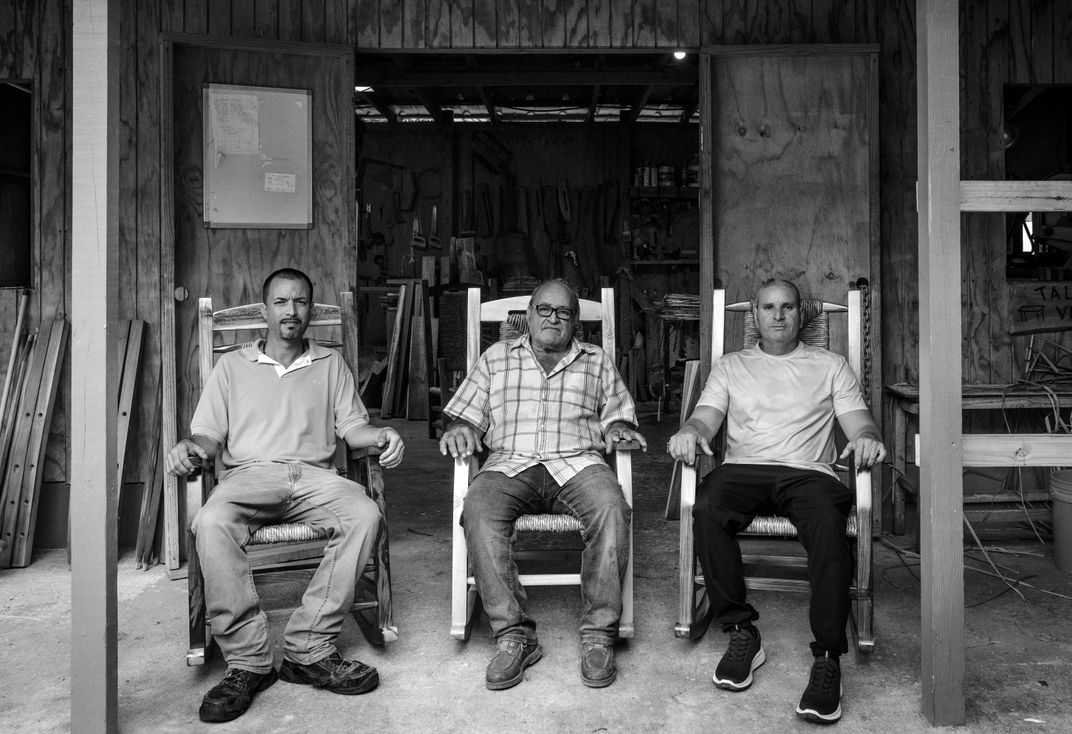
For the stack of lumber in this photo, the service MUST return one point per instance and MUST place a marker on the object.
(411, 351)
(146, 548)
(23, 436)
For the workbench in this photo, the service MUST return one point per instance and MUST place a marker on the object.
(904, 401)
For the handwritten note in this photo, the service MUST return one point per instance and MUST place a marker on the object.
(1039, 306)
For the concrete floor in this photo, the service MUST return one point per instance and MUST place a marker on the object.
(1018, 659)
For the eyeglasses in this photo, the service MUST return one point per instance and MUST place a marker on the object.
(546, 310)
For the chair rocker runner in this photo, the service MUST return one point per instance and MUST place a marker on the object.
(693, 609)
(289, 546)
(509, 313)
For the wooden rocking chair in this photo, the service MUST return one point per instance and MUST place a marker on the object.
(288, 546)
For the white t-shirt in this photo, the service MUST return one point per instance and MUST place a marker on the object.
(781, 409)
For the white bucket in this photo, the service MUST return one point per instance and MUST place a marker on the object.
(1061, 493)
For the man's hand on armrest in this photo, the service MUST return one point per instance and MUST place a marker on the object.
(697, 431)
(385, 438)
(461, 439)
(189, 454)
(863, 439)
(622, 432)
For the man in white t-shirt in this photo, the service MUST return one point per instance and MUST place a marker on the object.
(779, 400)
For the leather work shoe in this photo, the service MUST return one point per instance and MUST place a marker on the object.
(230, 698)
(597, 664)
(507, 668)
(348, 677)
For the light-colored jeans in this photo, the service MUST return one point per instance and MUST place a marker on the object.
(594, 497)
(264, 493)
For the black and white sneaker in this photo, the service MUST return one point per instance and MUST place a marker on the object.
(821, 701)
(742, 657)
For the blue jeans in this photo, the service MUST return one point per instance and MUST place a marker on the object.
(594, 497)
(264, 493)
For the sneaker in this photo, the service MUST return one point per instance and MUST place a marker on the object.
(230, 698)
(597, 664)
(507, 668)
(821, 701)
(333, 673)
(742, 657)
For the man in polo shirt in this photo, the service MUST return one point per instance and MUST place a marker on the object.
(548, 407)
(270, 413)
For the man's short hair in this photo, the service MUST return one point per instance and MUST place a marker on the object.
(287, 274)
(575, 300)
(778, 281)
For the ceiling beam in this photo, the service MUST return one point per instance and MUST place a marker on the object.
(489, 103)
(374, 100)
(557, 78)
(593, 105)
(639, 102)
(427, 99)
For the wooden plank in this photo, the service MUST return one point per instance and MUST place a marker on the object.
(419, 371)
(504, 18)
(688, 23)
(290, 20)
(367, 22)
(93, 227)
(16, 465)
(312, 22)
(128, 382)
(391, 28)
(690, 393)
(152, 487)
(414, 24)
(438, 15)
(8, 418)
(644, 22)
(16, 345)
(666, 24)
(1016, 196)
(169, 400)
(941, 547)
(461, 24)
(396, 352)
(266, 19)
(35, 454)
(1025, 449)
(621, 24)
(575, 13)
(552, 23)
(712, 30)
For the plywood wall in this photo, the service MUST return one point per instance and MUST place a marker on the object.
(1002, 41)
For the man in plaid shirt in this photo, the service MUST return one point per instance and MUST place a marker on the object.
(547, 406)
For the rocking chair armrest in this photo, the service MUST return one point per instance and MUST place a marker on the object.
(626, 446)
(864, 477)
(367, 452)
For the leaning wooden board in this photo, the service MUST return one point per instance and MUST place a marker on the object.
(25, 467)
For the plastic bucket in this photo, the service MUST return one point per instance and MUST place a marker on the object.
(1061, 493)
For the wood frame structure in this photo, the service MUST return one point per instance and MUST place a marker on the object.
(941, 198)
(94, 363)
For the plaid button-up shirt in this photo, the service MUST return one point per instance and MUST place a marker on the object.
(528, 417)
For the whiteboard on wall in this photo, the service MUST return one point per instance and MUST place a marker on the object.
(257, 157)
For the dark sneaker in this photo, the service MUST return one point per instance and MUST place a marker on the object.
(348, 677)
(230, 698)
(597, 664)
(507, 668)
(742, 657)
(821, 701)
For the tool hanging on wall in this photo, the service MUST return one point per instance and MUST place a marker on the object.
(433, 237)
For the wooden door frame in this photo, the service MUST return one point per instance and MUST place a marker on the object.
(169, 388)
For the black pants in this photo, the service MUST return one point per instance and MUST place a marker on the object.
(817, 504)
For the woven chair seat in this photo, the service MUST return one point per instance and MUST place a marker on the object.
(548, 523)
(287, 532)
(780, 526)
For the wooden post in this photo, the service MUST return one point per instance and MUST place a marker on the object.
(938, 205)
(94, 256)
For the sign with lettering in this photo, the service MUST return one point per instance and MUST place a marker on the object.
(1041, 306)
